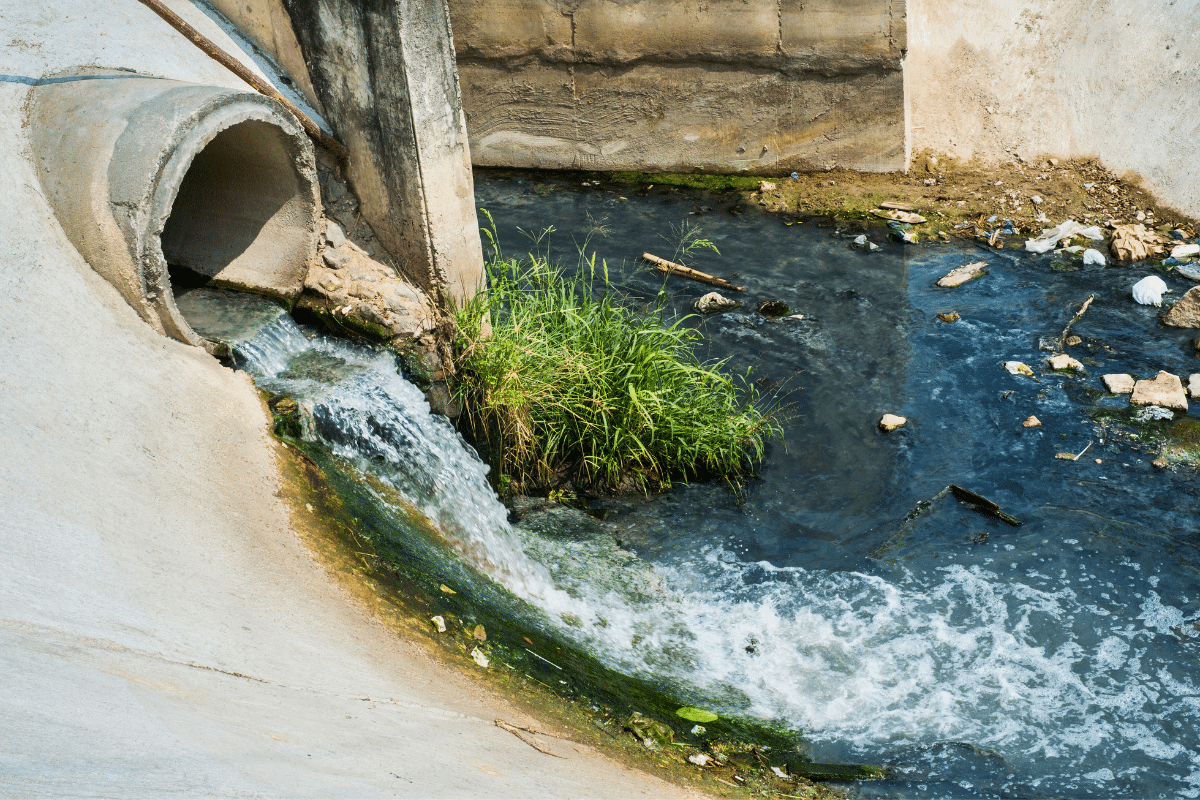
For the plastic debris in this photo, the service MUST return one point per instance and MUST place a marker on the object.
(699, 730)
(714, 302)
(1049, 237)
(479, 658)
(780, 773)
(1091, 256)
(1017, 368)
(1148, 413)
(700, 759)
(1191, 273)
(795, 176)
(899, 216)
(1149, 290)
(440, 622)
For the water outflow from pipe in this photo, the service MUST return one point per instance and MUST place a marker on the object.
(1057, 659)
(364, 411)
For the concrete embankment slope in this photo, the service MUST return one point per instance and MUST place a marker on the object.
(162, 631)
(1070, 78)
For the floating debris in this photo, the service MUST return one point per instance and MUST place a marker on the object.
(1149, 290)
(982, 505)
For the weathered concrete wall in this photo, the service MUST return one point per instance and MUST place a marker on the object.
(721, 85)
(267, 24)
(1114, 80)
(384, 73)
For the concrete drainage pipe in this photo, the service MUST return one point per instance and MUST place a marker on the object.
(144, 173)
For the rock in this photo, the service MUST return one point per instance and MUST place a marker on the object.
(959, 276)
(335, 259)
(1134, 243)
(1032, 422)
(1186, 311)
(334, 236)
(1194, 386)
(1118, 383)
(1066, 456)
(480, 633)
(1160, 463)
(1037, 201)
(948, 316)
(1165, 390)
(890, 422)
(329, 283)
(1184, 250)
(1017, 368)
(1064, 361)
(715, 301)
(765, 187)
(773, 309)
(1149, 290)
(652, 733)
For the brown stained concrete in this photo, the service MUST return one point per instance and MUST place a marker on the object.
(683, 86)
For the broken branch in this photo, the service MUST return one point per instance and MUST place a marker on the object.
(1086, 303)
(516, 731)
(671, 268)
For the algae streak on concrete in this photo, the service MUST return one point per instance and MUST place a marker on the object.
(162, 631)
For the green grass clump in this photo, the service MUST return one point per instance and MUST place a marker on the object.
(561, 381)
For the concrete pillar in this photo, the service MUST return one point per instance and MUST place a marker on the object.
(384, 72)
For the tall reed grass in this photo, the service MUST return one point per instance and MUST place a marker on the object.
(563, 381)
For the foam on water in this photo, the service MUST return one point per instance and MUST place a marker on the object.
(1020, 674)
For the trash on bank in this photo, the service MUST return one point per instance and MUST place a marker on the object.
(439, 622)
(1050, 237)
(899, 216)
(959, 276)
(479, 658)
(714, 302)
(1091, 256)
(700, 759)
(1149, 290)
(652, 733)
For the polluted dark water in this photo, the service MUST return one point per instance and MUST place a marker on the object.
(845, 592)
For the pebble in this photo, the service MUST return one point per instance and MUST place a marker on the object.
(1118, 383)
(1064, 361)
(1032, 422)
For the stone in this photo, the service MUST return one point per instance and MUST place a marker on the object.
(335, 259)
(1017, 368)
(1032, 422)
(1194, 386)
(1186, 311)
(329, 283)
(1118, 383)
(959, 276)
(1160, 463)
(766, 187)
(1165, 391)
(652, 733)
(1134, 243)
(1064, 361)
(334, 236)
(1184, 250)
(714, 302)
(890, 422)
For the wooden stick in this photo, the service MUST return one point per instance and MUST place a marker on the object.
(258, 84)
(1062, 340)
(671, 268)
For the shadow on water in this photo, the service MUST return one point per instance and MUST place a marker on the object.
(975, 657)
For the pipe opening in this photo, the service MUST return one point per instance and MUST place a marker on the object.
(242, 215)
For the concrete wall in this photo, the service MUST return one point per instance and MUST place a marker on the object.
(1120, 81)
(722, 85)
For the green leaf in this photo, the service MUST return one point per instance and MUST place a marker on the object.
(692, 714)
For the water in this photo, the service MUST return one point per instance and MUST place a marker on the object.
(974, 658)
